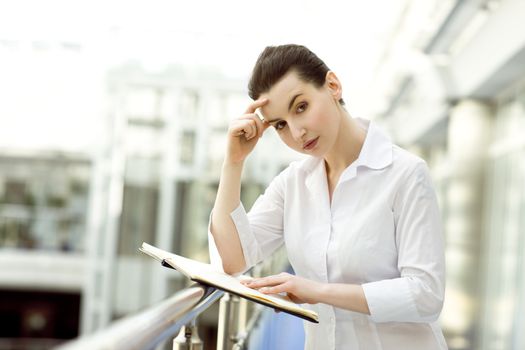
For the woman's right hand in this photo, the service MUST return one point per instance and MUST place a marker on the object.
(244, 132)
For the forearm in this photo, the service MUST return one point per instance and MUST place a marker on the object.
(345, 296)
(222, 227)
(229, 190)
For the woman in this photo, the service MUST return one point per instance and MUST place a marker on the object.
(359, 217)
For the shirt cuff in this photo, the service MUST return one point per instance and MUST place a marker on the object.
(390, 301)
(249, 244)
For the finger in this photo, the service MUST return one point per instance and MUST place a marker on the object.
(279, 278)
(266, 124)
(244, 126)
(280, 288)
(261, 125)
(269, 281)
(256, 104)
(252, 132)
(251, 121)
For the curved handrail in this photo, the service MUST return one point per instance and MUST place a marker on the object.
(150, 327)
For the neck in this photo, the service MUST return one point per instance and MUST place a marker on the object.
(347, 146)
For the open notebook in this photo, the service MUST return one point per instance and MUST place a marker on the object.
(209, 275)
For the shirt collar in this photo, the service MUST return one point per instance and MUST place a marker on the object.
(376, 152)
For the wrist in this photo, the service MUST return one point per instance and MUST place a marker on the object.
(322, 292)
(228, 162)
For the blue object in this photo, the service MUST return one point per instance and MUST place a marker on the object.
(277, 330)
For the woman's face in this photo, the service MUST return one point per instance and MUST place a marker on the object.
(306, 117)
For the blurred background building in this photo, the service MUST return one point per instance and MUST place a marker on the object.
(112, 124)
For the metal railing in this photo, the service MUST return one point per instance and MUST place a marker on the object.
(177, 315)
(151, 327)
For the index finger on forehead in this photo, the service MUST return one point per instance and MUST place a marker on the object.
(256, 104)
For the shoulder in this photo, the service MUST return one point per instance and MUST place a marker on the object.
(409, 171)
(412, 175)
(407, 163)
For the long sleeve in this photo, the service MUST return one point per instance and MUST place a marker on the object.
(261, 230)
(417, 295)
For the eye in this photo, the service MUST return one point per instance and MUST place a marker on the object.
(301, 107)
(280, 125)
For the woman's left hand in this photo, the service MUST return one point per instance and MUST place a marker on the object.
(300, 290)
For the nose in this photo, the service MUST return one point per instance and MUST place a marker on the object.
(297, 131)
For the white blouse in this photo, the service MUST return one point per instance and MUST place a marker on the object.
(382, 230)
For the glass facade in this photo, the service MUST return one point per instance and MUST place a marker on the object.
(504, 278)
(43, 202)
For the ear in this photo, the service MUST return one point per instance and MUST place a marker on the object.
(333, 85)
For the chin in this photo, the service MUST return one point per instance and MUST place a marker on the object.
(314, 153)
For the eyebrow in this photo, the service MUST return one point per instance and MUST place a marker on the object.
(290, 104)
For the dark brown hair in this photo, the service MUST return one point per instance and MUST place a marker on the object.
(275, 61)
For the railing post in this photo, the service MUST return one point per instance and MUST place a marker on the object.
(228, 321)
(188, 338)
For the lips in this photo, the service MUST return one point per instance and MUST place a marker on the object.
(308, 145)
